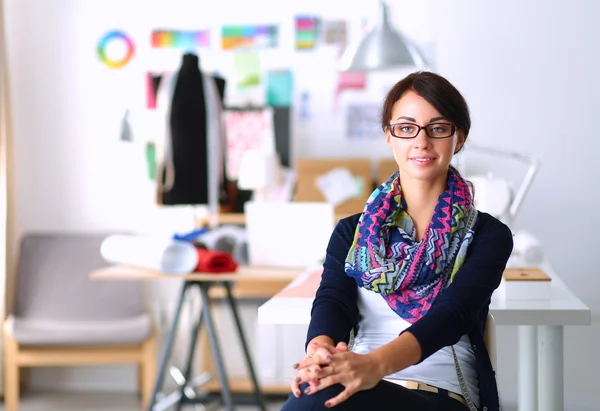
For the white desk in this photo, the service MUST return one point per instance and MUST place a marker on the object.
(540, 335)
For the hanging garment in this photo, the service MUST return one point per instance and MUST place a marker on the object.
(194, 137)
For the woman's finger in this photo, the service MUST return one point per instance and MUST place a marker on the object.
(308, 374)
(341, 397)
(295, 387)
(323, 383)
(318, 359)
(323, 355)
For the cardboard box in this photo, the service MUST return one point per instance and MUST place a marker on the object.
(309, 169)
(525, 284)
(385, 168)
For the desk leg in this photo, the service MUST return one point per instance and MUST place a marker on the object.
(550, 368)
(528, 368)
(214, 343)
(187, 390)
(166, 351)
(232, 303)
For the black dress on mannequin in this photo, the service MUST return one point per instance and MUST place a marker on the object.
(189, 143)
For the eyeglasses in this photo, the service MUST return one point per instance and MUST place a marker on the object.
(411, 130)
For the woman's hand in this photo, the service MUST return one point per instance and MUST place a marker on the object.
(319, 353)
(356, 372)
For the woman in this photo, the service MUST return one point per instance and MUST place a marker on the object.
(412, 276)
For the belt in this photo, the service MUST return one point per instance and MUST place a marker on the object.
(414, 385)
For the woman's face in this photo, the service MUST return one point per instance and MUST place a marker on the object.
(421, 158)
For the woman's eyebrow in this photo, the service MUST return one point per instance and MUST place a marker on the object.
(405, 118)
(437, 119)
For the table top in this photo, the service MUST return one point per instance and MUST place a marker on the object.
(243, 273)
(564, 307)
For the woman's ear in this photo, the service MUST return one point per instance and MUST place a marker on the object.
(388, 136)
(460, 142)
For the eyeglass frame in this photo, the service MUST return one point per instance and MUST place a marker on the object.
(391, 126)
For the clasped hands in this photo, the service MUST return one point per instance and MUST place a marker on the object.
(326, 365)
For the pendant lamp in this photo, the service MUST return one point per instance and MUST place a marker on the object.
(382, 47)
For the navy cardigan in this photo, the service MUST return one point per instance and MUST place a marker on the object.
(459, 309)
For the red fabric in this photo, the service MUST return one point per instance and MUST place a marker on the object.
(211, 261)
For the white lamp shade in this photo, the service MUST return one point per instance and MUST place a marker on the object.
(492, 195)
(381, 48)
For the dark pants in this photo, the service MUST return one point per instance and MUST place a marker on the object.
(385, 396)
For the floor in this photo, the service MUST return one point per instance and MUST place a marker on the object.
(101, 402)
(109, 402)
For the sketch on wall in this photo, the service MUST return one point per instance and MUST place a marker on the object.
(362, 121)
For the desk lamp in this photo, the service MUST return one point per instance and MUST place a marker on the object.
(495, 196)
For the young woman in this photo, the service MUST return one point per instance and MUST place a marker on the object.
(411, 276)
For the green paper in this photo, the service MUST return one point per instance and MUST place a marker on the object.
(151, 160)
(247, 69)
(280, 88)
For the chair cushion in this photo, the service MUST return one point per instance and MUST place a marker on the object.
(100, 332)
(53, 282)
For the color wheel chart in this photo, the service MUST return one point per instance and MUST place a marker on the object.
(264, 36)
(115, 49)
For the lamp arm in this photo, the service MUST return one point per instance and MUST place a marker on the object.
(524, 187)
(534, 164)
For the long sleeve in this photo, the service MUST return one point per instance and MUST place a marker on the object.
(455, 311)
(334, 311)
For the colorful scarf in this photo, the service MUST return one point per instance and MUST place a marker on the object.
(408, 274)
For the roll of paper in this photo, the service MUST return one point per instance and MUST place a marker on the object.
(163, 254)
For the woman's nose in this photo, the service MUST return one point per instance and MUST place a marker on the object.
(421, 140)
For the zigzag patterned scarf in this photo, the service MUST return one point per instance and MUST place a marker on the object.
(408, 274)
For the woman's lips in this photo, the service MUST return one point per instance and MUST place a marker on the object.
(422, 161)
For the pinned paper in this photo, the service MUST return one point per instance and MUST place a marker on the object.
(265, 36)
(335, 32)
(351, 80)
(339, 185)
(306, 32)
(247, 69)
(279, 88)
(362, 121)
(180, 39)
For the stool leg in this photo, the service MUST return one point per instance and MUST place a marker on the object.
(214, 343)
(166, 351)
(233, 304)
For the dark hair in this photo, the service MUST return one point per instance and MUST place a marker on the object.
(438, 92)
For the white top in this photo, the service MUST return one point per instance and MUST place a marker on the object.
(379, 324)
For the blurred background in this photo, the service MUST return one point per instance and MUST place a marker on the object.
(85, 118)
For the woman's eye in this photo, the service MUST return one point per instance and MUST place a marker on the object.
(406, 129)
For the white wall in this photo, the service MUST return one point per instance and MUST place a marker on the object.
(528, 70)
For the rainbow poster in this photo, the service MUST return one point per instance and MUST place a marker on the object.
(307, 30)
(265, 36)
(179, 39)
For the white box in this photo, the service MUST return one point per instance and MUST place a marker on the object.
(525, 284)
(280, 347)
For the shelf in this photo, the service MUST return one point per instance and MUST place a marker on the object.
(245, 386)
(232, 218)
